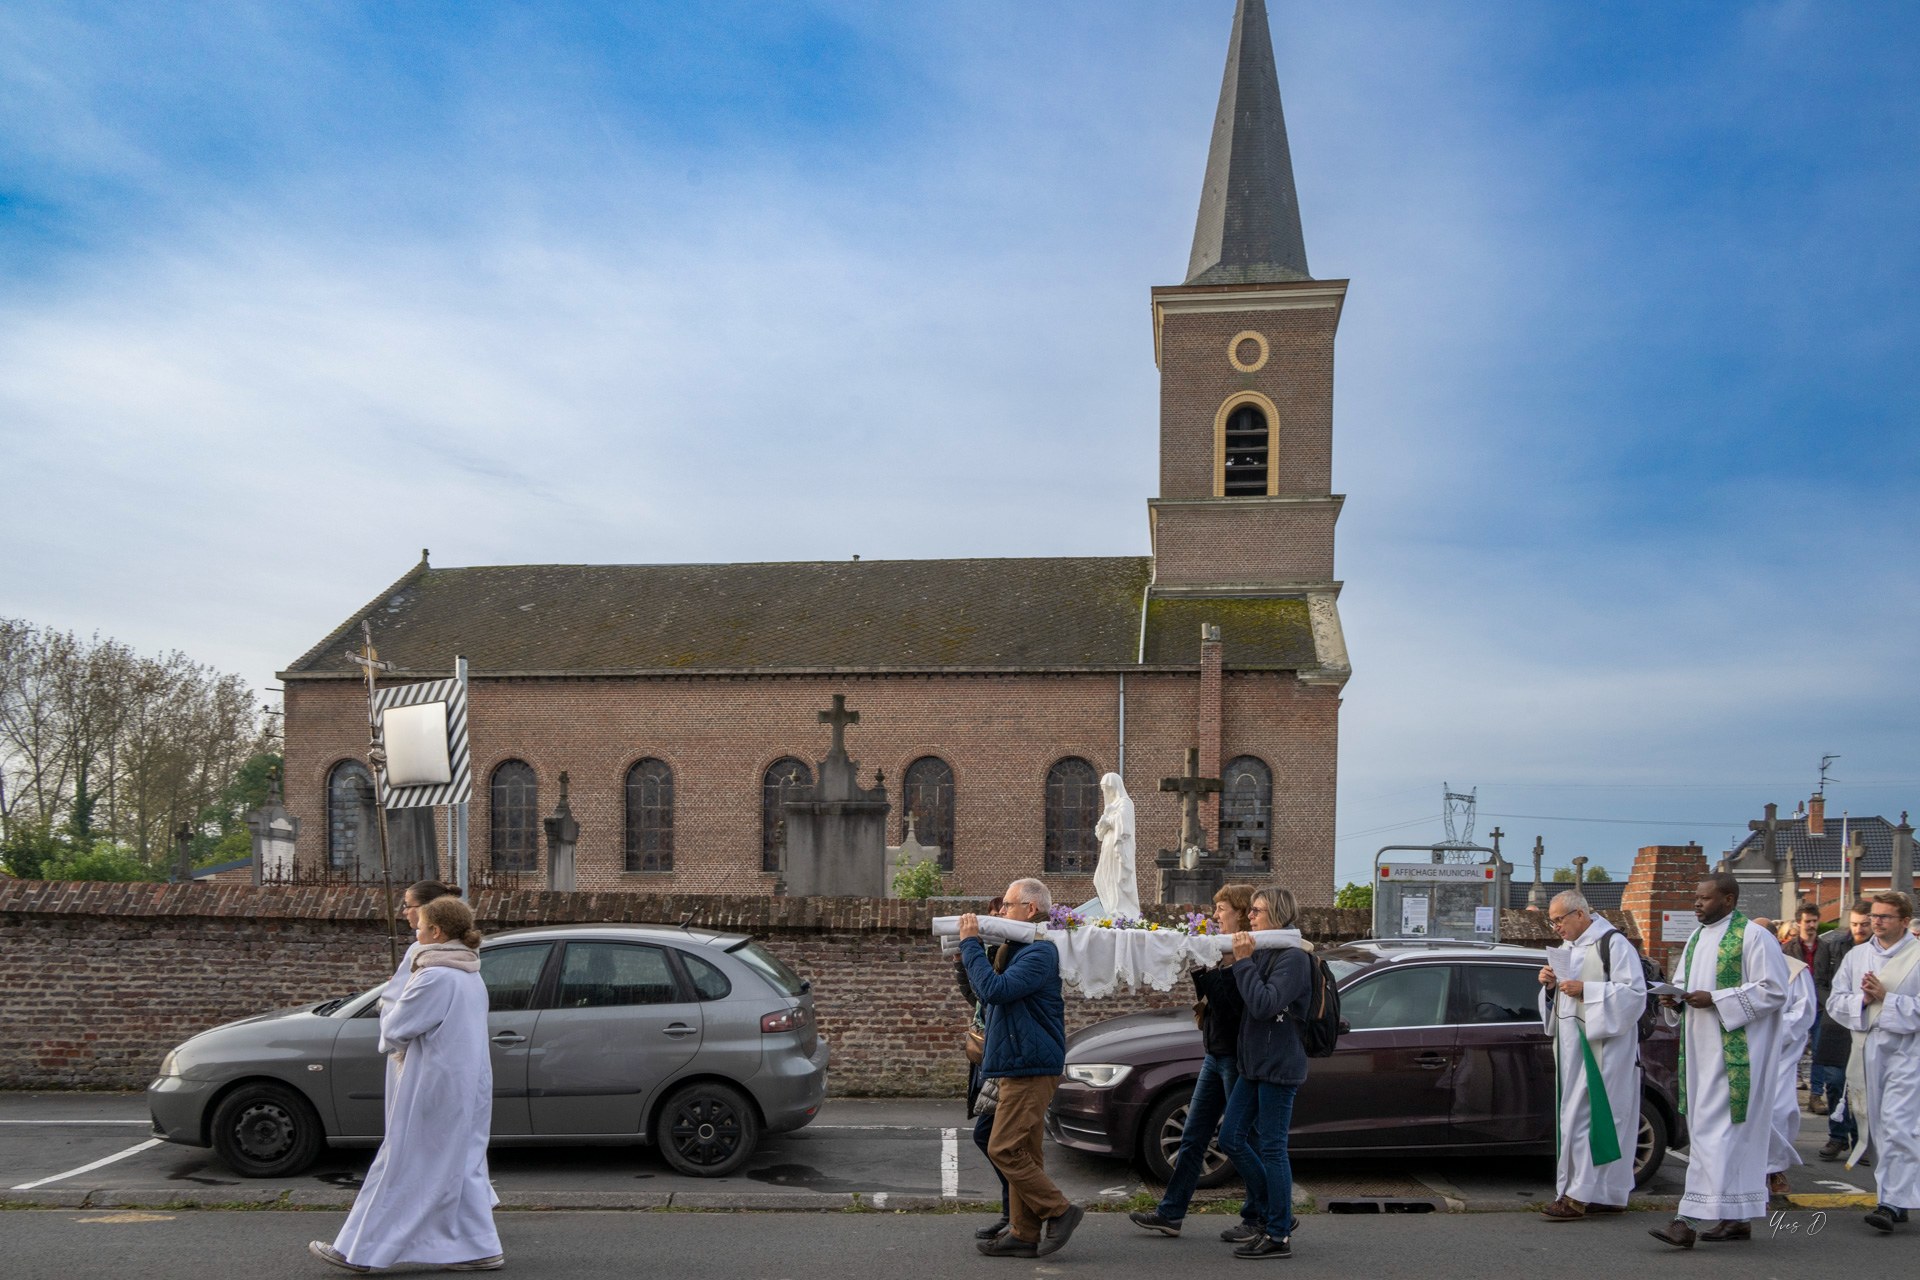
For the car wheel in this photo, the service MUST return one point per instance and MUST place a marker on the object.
(1651, 1149)
(708, 1130)
(1160, 1136)
(266, 1131)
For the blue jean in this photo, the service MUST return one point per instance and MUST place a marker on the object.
(1218, 1074)
(1832, 1082)
(1253, 1133)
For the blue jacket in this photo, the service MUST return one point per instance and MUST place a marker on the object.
(1277, 986)
(1026, 1016)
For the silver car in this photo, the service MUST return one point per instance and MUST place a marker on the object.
(693, 1041)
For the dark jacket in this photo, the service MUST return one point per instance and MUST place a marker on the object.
(1836, 1042)
(1220, 1024)
(1277, 987)
(1026, 1016)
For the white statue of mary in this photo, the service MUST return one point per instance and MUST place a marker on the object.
(1113, 878)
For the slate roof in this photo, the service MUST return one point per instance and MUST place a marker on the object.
(865, 615)
(1248, 231)
(1813, 855)
(1601, 895)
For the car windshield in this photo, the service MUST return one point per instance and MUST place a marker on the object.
(351, 1006)
(769, 966)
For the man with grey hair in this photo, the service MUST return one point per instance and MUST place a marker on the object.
(1593, 993)
(1024, 1057)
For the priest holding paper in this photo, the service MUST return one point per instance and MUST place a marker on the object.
(1876, 996)
(1735, 978)
(1594, 991)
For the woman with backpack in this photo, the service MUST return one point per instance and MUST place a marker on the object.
(1276, 988)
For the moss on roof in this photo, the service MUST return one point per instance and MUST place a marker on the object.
(1255, 634)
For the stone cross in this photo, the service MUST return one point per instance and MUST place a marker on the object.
(1537, 896)
(1579, 871)
(1769, 842)
(839, 718)
(1191, 787)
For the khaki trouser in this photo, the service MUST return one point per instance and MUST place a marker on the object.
(1019, 1122)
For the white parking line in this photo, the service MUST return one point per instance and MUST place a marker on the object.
(89, 1168)
(949, 1164)
(142, 1123)
(1681, 1156)
(876, 1128)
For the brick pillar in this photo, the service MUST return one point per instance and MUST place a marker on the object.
(1663, 879)
(1207, 730)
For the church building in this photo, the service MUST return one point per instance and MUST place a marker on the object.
(682, 701)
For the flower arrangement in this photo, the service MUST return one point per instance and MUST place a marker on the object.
(1193, 924)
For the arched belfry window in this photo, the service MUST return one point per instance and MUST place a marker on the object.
(926, 805)
(1246, 808)
(1246, 447)
(350, 816)
(650, 816)
(784, 777)
(1073, 807)
(514, 811)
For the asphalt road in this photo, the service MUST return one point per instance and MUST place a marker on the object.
(63, 1244)
(93, 1150)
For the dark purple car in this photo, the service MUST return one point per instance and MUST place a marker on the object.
(1442, 1053)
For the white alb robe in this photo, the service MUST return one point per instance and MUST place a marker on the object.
(1796, 1024)
(427, 1198)
(1891, 1062)
(1610, 1010)
(1727, 1162)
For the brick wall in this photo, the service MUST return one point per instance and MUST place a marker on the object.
(1663, 878)
(1246, 542)
(103, 979)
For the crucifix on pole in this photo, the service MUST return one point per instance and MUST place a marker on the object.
(368, 660)
(1191, 786)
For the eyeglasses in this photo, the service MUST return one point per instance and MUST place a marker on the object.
(1882, 915)
(1561, 919)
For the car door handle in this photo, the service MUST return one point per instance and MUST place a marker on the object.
(1433, 1061)
(507, 1039)
(676, 1030)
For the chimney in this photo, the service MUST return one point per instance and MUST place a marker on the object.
(1817, 817)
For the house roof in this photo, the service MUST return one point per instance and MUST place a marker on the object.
(857, 615)
(1813, 855)
(1601, 895)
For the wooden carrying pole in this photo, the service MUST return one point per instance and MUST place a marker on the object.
(369, 661)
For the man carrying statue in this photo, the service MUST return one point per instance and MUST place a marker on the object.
(1593, 1016)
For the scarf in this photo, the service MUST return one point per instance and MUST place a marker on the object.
(450, 955)
(1729, 968)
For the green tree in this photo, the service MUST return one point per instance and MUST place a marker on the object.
(1595, 875)
(30, 847)
(918, 880)
(1354, 895)
(102, 861)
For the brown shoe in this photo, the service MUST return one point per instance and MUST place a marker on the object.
(1728, 1229)
(1676, 1233)
(1777, 1184)
(1563, 1210)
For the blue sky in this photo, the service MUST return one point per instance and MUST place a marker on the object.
(1625, 387)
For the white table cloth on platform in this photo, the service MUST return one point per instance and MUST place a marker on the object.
(1097, 962)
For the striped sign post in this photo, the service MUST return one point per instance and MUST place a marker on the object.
(420, 720)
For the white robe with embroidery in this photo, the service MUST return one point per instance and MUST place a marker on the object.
(1611, 1012)
(1796, 1024)
(427, 1198)
(1892, 1066)
(1727, 1162)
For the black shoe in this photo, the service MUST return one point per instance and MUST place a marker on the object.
(1008, 1246)
(1834, 1149)
(993, 1232)
(1055, 1232)
(1241, 1233)
(1727, 1230)
(1885, 1217)
(1676, 1233)
(1153, 1222)
(1265, 1246)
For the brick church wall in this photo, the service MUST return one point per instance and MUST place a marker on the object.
(1000, 733)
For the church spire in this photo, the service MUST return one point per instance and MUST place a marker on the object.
(1249, 228)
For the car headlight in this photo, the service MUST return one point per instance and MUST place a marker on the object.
(169, 1065)
(1101, 1075)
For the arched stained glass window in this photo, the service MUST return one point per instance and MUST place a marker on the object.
(1246, 808)
(1073, 807)
(783, 778)
(350, 816)
(650, 816)
(926, 805)
(514, 805)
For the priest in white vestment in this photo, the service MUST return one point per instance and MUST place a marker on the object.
(1796, 1024)
(427, 1198)
(1735, 979)
(1876, 997)
(1594, 1019)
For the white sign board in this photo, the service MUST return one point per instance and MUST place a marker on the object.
(1678, 926)
(1483, 919)
(423, 730)
(1434, 871)
(1413, 916)
(416, 742)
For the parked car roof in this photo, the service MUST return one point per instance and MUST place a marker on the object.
(626, 932)
(1372, 951)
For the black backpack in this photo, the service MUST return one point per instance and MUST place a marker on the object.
(1649, 1016)
(1320, 1028)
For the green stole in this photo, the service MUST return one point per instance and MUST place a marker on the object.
(1728, 971)
(1603, 1140)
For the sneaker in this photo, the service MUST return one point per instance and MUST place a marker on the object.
(993, 1232)
(1008, 1246)
(493, 1263)
(1265, 1246)
(327, 1253)
(1885, 1217)
(1241, 1232)
(1833, 1150)
(1056, 1231)
(1153, 1222)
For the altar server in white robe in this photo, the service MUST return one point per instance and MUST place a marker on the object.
(1876, 996)
(1594, 1019)
(416, 896)
(427, 1198)
(1735, 979)
(1796, 1024)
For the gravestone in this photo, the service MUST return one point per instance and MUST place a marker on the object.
(563, 833)
(1191, 873)
(836, 830)
(906, 854)
(416, 849)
